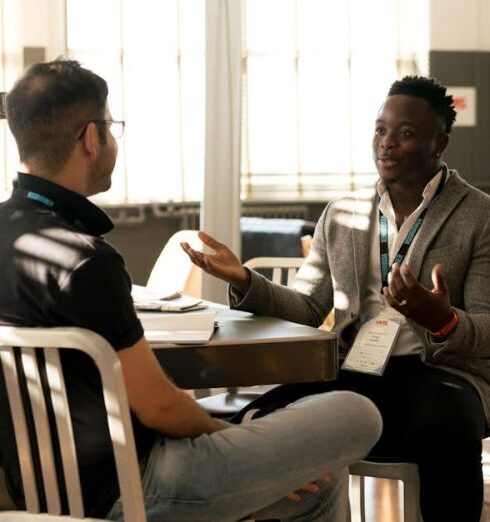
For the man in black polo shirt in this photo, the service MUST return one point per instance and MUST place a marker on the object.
(57, 269)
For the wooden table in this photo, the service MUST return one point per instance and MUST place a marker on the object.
(247, 349)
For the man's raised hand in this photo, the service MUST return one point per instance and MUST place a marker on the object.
(430, 308)
(222, 263)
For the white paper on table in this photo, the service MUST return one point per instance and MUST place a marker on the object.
(192, 327)
(145, 299)
(143, 293)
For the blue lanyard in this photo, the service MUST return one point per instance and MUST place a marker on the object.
(402, 252)
(48, 202)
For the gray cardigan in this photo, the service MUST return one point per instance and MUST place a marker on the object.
(455, 232)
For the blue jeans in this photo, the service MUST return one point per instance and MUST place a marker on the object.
(247, 470)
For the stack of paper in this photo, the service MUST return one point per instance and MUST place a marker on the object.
(194, 327)
(146, 299)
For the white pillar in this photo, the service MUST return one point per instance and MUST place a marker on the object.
(220, 209)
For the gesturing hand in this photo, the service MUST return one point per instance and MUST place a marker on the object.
(222, 263)
(429, 308)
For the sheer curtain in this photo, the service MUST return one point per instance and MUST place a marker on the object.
(152, 54)
(10, 67)
(314, 76)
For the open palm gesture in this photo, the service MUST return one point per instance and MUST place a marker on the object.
(221, 263)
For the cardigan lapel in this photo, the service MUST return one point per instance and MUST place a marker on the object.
(437, 214)
(364, 215)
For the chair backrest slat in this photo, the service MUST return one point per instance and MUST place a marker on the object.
(64, 427)
(20, 428)
(120, 428)
(277, 265)
(43, 434)
(291, 276)
(276, 275)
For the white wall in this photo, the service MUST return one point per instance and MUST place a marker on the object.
(460, 25)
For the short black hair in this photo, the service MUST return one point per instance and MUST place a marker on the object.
(431, 91)
(49, 104)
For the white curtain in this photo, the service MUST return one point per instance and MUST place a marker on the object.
(151, 52)
(11, 63)
(314, 75)
(220, 210)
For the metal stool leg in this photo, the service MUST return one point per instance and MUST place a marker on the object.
(362, 492)
(411, 499)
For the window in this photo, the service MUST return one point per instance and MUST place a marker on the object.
(314, 76)
(152, 55)
(10, 68)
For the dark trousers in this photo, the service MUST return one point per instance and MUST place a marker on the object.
(431, 417)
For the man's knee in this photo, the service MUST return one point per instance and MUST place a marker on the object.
(355, 416)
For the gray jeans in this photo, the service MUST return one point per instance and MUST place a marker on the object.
(246, 470)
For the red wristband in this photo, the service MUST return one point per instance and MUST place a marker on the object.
(447, 328)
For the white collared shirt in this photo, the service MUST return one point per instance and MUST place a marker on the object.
(407, 342)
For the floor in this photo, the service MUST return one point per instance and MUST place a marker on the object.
(384, 497)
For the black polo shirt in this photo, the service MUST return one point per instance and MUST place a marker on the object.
(57, 270)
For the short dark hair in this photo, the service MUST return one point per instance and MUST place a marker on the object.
(49, 104)
(431, 91)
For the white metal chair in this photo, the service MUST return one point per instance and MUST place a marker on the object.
(173, 270)
(278, 265)
(403, 471)
(230, 402)
(406, 472)
(50, 341)
(6, 502)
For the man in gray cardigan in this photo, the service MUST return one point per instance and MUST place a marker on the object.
(406, 269)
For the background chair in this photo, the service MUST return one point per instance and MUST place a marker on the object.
(234, 399)
(403, 471)
(283, 268)
(173, 270)
(50, 340)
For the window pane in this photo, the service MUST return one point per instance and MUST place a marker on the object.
(367, 97)
(153, 138)
(192, 27)
(94, 25)
(323, 27)
(270, 26)
(10, 68)
(192, 125)
(312, 98)
(271, 115)
(145, 19)
(152, 57)
(324, 130)
(374, 29)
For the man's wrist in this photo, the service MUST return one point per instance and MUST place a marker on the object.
(447, 328)
(243, 284)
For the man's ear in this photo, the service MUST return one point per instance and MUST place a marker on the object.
(90, 140)
(442, 140)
